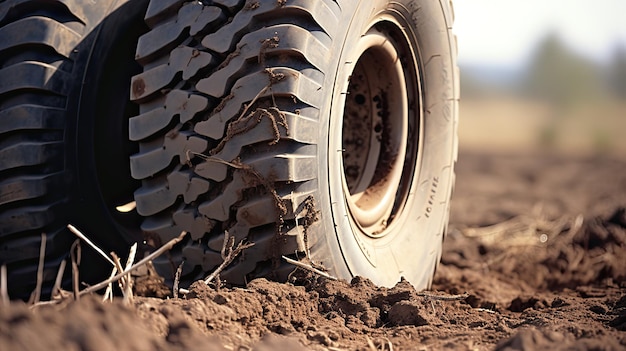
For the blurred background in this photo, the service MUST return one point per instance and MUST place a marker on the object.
(543, 75)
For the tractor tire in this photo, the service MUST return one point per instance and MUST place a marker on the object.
(65, 70)
(324, 131)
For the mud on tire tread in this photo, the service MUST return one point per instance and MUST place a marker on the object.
(233, 97)
(242, 126)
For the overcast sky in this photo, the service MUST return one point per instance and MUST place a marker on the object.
(505, 32)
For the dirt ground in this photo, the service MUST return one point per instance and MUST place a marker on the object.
(535, 259)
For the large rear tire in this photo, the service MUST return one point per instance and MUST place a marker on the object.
(65, 69)
(321, 130)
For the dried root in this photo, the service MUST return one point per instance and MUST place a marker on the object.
(228, 255)
(245, 124)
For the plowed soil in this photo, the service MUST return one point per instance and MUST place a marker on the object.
(535, 259)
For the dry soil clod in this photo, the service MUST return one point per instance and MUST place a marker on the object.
(266, 44)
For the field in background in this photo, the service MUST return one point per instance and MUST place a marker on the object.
(560, 101)
(510, 123)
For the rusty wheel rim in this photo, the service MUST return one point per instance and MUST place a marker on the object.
(376, 140)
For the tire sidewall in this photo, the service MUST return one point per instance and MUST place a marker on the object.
(412, 246)
(87, 103)
(98, 107)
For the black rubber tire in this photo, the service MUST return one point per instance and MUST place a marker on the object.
(240, 128)
(65, 69)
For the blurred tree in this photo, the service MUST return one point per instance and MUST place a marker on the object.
(560, 76)
(617, 73)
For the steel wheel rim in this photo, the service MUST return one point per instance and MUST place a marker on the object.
(377, 135)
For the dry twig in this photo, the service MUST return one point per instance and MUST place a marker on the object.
(75, 253)
(85, 239)
(42, 259)
(108, 293)
(443, 297)
(129, 279)
(309, 268)
(145, 260)
(4, 290)
(228, 255)
(125, 282)
(179, 271)
(56, 289)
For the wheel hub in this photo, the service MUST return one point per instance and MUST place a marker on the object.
(375, 135)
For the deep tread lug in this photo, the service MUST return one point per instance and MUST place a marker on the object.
(161, 226)
(39, 31)
(33, 76)
(30, 117)
(28, 187)
(283, 39)
(221, 42)
(196, 225)
(193, 17)
(147, 164)
(159, 10)
(183, 59)
(177, 102)
(293, 84)
(300, 129)
(25, 154)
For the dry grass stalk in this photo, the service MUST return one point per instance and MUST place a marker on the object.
(56, 289)
(179, 271)
(309, 268)
(129, 278)
(108, 293)
(524, 231)
(443, 297)
(131, 257)
(42, 259)
(119, 268)
(85, 239)
(4, 289)
(125, 282)
(167, 246)
(75, 254)
(228, 255)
